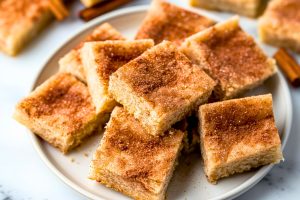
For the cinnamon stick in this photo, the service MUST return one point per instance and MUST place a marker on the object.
(289, 66)
(101, 8)
(58, 9)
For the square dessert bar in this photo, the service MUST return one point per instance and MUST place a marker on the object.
(238, 135)
(280, 24)
(250, 8)
(133, 162)
(60, 111)
(166, 21)
(20, 22)
(160, 87)
(101, 59)
(231, 57)
(72, 63)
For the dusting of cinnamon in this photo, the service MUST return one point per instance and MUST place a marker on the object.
(285, 11)
(65, 100)
(117, 53)
(164, 77)
(234, 57)
(229, 123)
(166, 21)
(150, 76)
(102, 33)
(13, 12)
(147, 157)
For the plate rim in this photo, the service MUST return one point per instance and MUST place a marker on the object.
(36, 141)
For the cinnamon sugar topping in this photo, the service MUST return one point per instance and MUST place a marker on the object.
(285, 11)
(65, 100)
(164, 77)
(15, 11)
(117, 53)
(147, 157)
(226, 124)
(152, 75)
(234, 57)
(169, 22)
(102, 33)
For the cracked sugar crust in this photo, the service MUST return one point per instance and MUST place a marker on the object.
(166, 21)
(165, 77)
(60, 101)
(128, 152)
(228, 123)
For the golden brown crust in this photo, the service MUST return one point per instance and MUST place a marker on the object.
(101, 33)
(166, 21)
(229, 52)
(280, 24)
(65, 97)
(284, 11)
(160, 87)
(101, 59)
(229, 56)
(13, 11)
(20, 21)
(72, 63)
(128, 152)
(164, 77)
(238, 129)
(61, 105)
(111, 55)
(250, 8)
(249, 120)
(126, 135)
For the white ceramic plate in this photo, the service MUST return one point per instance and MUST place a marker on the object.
(189, 181)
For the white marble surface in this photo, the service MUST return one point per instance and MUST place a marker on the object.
(23, 175)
